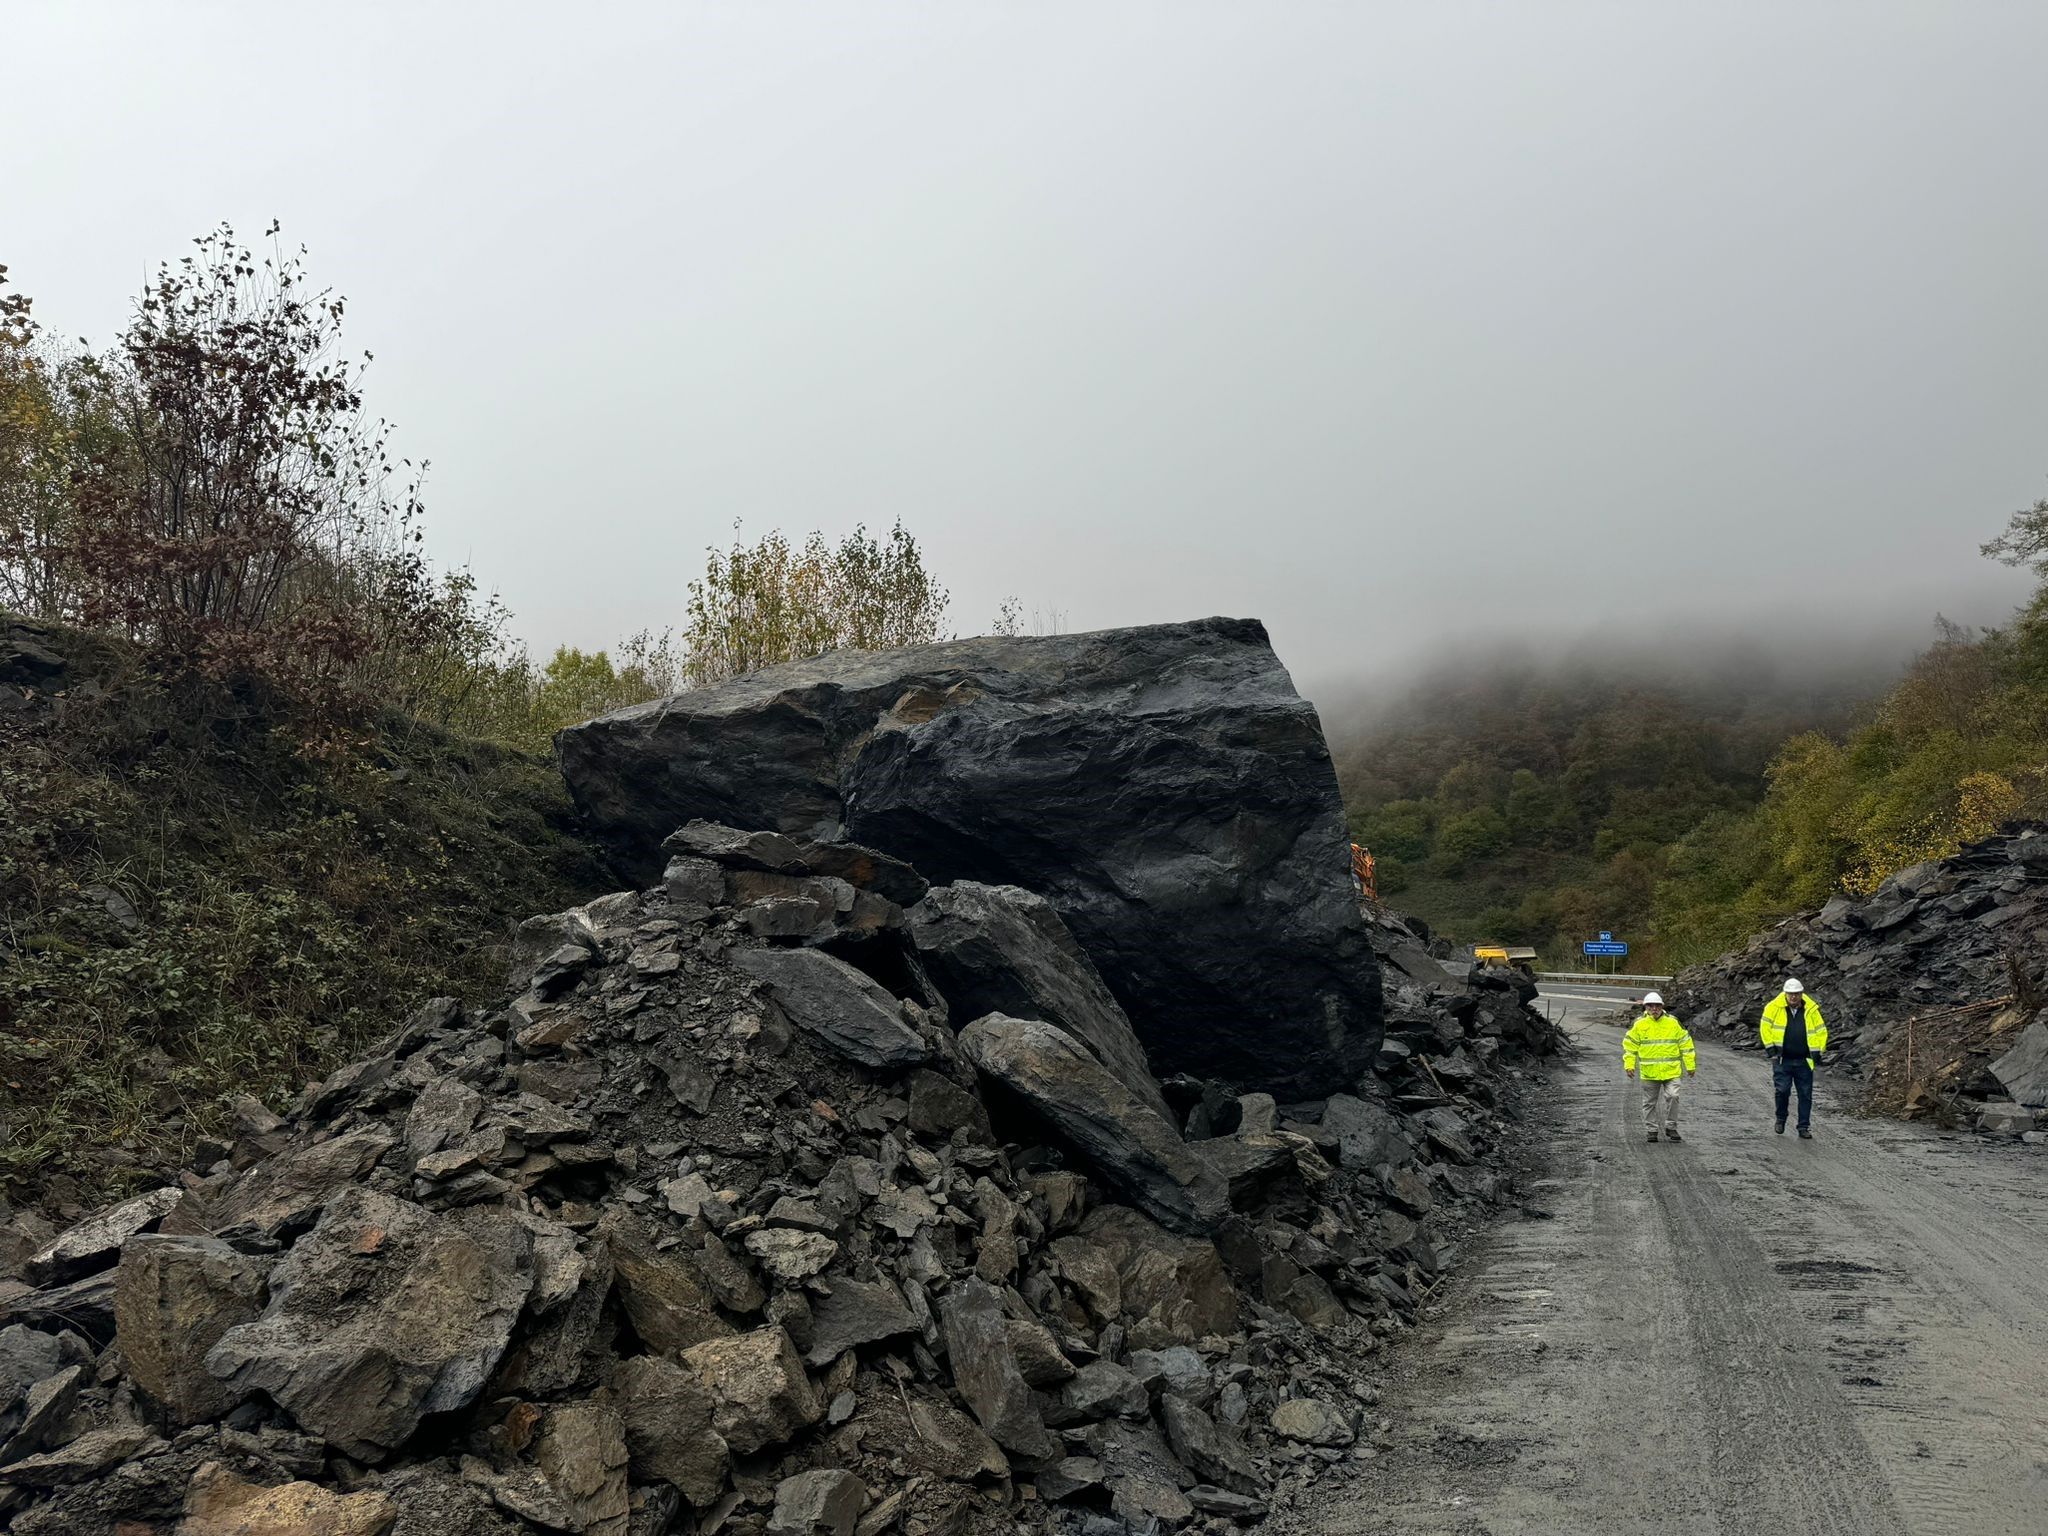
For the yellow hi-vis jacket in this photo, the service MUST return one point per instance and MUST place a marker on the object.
(1772, 1027)
(1659, 1048)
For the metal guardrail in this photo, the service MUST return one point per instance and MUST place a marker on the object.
(1602, 978)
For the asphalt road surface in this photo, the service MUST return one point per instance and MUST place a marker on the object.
(1743, 1333)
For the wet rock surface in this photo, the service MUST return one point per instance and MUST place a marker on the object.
(507, 1276)
(1164, 788)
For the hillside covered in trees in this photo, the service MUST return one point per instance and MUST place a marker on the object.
(1683, 805)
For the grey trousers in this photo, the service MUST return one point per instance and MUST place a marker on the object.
(1664, 1094)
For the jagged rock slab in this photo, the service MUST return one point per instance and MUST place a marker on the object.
(1132, 1145)
(94, 1244)
(1000, 949)
(828, 998)
(381, 1315)
(1164, 787)
(760, 1394)
(174, 1297)
(2023, 1070)
(222, 1504)
(987, 1373)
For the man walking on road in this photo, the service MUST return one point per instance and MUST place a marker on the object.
(1658, 1047)
(1796, 1039)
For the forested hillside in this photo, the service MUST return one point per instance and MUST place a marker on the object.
(1541, 804)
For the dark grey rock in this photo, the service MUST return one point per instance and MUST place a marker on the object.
(1133, 1147)
(2023, 1070)
(824, 996)
(1368, 1134)
(856, 1312)
(1000, 949)
(1102, 1390)
(1165, 788)
(825, 1502)
(95, 1243)
(382, 1314)
(986, 1371)
(1067, 1477)
(1213, 1452)
(939, 1106)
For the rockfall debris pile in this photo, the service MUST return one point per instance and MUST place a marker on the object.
(793, 1194)
(1933, 985)
(1164, 788)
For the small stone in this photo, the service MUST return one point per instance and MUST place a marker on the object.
(791, 1256)
(1310, 1422)
(825, 1502)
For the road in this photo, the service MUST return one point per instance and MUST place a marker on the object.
(1743, 1333)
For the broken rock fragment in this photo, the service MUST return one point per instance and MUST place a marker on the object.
(826, 1502)
(669, 1433)
(173, 1299)
(987, 1373)
(221, 1504)
(382, 1314)
(1131, 1145)
(827, 998)
(94, 1244)
(759, 1391)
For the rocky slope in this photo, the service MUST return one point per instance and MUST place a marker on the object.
(1932, 985)
(792, 1194)
(1164, 788)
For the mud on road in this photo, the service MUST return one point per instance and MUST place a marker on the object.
(1742, 1333)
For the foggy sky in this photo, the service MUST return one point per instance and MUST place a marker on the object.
(1387, 324)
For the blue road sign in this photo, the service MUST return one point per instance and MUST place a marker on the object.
(1606, 937)
(1604, 947)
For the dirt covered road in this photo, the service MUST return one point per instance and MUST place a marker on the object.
(1741, 1333)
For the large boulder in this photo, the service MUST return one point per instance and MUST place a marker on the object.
(1165, 788)
(1133, 1147)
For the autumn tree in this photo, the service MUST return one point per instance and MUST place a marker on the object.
(774, 600)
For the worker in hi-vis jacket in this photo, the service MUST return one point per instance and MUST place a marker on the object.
(1796, 1038)
(1656, 1051)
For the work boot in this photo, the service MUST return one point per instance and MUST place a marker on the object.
(1779, 1127)
(1651, 1137)
(1672, 1135)
(1805, 1134)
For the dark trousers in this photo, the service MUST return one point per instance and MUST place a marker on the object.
(1787, 1074)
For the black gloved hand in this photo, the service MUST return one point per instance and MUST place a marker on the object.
(1774, 1051)
(1817, 1058)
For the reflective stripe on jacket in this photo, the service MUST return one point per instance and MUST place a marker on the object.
(1659, 1048)
(1773, 1026)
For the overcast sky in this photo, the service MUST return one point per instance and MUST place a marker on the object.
(1385, 323)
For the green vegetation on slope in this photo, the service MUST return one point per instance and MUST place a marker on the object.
(191, 909)
(1539, 806)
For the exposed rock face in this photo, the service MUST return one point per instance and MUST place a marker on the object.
(1132, 1146)
(1164, 788)
(999, 949)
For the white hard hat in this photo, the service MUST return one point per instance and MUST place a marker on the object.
(1793, 985)
(1652, 997)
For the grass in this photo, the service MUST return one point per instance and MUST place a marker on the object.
(192, 909)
